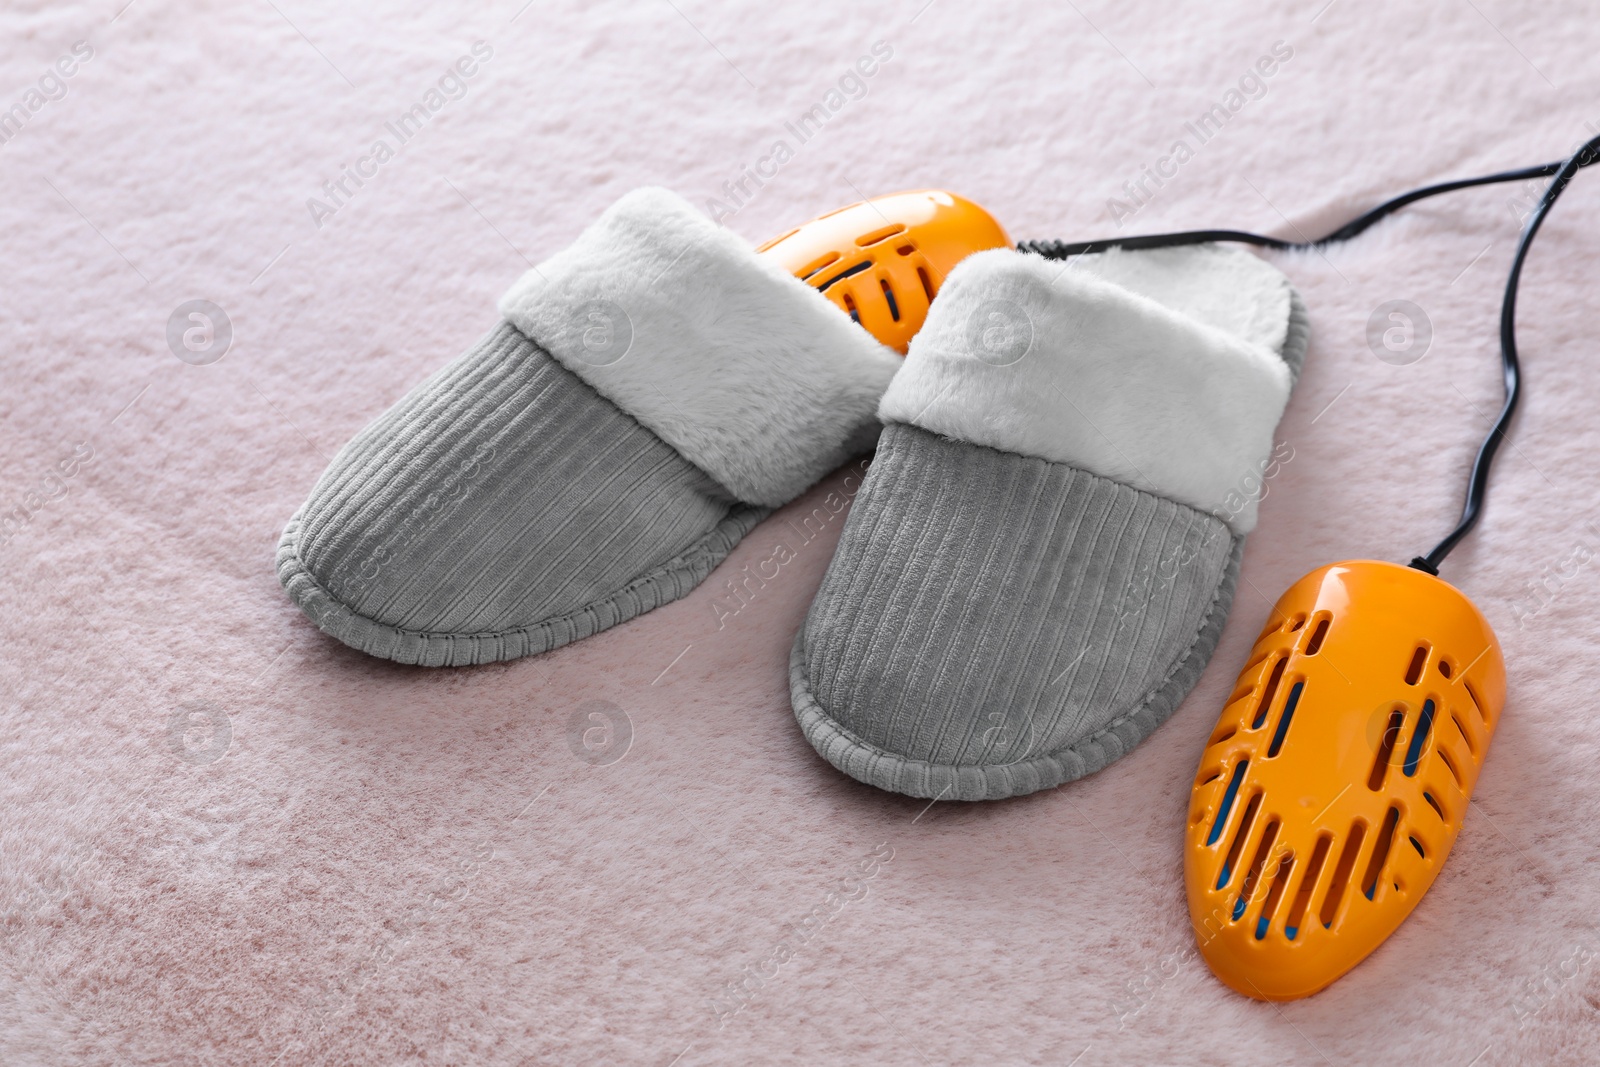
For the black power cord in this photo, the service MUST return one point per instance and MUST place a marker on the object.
(1560, 172)
(1478, 483)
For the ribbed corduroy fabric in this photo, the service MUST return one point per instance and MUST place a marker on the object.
(501, 509)
(993, 624)
(1039, 630)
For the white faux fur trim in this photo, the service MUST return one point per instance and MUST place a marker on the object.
(752, 375)
(1174, 392)
(1228, 288)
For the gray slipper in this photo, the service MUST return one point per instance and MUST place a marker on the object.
(1040, 559)
(653, 391)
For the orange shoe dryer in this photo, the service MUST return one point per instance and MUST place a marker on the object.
(1337, 779)
(883, 260)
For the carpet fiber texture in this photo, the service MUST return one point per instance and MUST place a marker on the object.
(227, 838)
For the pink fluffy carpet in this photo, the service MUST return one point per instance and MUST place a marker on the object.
(225, 838)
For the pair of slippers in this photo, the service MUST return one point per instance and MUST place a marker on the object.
(1034, 572)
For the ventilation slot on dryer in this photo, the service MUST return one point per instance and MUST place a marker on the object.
(1244, 689)
(1269, 692)
(1245, 825)
(1248, 687)
(888, 294)
(1319, 635)
(1308, 883)
(1283, 720)
(1380, 853)
(842, 275)
(1478, 704)
(1342, 873)
(1227, 803)
(884, 234)
(1380, 762)
(1450, 765)
(1280, 882)
(1252, 878)
(1466, 737)
(1434, 804)
(1418, 659)
(1419, 738)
